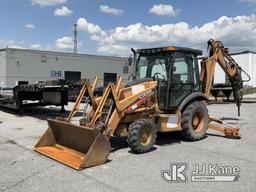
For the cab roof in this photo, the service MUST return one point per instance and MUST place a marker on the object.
(170, 49)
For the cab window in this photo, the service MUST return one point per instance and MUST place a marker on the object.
(159, 67)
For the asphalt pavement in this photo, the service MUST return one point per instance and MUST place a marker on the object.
(22, 169)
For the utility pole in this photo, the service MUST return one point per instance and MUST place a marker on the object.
(75, 38)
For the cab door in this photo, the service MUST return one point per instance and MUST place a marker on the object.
(159, 72)
(181, 83)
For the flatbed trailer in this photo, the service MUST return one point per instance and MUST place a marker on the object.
(23, 96)
(225, 88)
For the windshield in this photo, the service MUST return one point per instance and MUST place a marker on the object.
(150, 65)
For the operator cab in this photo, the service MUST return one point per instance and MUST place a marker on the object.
(175, 69)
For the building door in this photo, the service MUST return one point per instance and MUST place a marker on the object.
(109, 77)
(72, 75)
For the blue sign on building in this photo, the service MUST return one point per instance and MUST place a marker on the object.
(56, 74)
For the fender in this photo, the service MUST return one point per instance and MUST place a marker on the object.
(195, 96)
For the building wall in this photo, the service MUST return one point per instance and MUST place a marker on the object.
(32, 66)
(2, 68)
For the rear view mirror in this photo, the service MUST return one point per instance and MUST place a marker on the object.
(130, 59)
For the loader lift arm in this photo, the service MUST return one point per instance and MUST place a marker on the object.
(90, 90)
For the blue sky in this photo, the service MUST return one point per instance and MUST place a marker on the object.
(112, 27)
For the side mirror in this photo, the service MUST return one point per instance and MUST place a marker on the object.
(130, 59)
(125, 69)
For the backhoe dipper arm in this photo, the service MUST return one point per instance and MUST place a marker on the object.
(219, 54)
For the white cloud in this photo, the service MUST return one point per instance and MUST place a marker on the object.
(66, 43)
(250, 1)
(64, 11)
(35, 46)
(4, 43)
(43, 3)
(18, 45)
(11, 44)
(237, 33)
(163, 9)
(30, 26)
(14, 46)
(84, 25)
(114, 11)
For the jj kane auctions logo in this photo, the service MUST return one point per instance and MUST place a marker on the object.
(177, 173)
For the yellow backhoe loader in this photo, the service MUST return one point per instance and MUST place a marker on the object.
(167, 95)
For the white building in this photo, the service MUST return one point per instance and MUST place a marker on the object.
(246, 60)
(33, 65)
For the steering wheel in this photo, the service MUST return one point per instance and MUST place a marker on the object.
(156, 76)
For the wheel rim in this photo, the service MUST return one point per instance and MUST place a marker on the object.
(146, 136)
(198, 122)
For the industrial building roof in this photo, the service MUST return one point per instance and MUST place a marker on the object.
(62, 53)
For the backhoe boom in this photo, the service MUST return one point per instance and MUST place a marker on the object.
(218, 54)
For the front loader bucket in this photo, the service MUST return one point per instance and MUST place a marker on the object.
(76, 146)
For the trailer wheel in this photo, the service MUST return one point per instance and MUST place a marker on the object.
(142, 135)
(194, 121)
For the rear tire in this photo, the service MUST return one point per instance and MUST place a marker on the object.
(194, 121)
(142, 135)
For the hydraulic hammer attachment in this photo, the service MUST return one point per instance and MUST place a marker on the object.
(76, 146)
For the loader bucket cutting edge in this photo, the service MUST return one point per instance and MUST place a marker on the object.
(76, 146)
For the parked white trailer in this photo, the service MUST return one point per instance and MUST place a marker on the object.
(247, 60)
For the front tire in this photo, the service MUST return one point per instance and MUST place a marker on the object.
(142, 135)
(194, 121)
